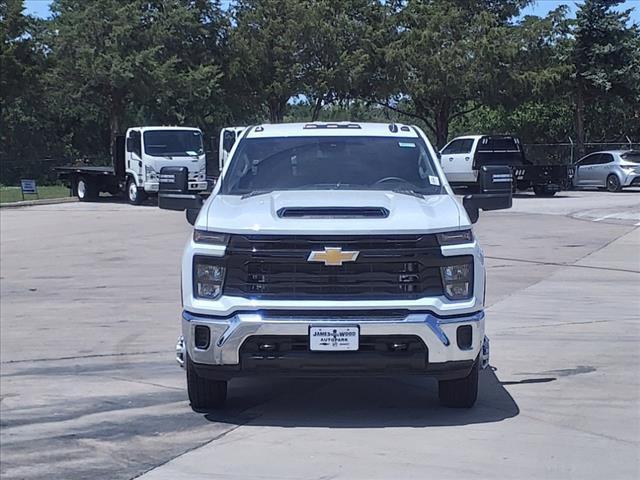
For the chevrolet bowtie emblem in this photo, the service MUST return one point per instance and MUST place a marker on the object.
(333, 256)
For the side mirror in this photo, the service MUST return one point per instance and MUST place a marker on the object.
(496, 185)
(173, 192)
(228, 140)
(130, 145)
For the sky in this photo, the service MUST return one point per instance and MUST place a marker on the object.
(40, 8)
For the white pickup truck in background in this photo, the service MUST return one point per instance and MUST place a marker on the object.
(463, 158)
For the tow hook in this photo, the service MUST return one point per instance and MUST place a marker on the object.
(484, 354)
(180, 351)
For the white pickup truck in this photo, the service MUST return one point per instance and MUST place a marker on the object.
(464, 157)
(333, 249)
(138, 157)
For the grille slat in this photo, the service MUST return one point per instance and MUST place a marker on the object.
(396, 266)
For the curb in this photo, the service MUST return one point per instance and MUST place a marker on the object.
(44, 201)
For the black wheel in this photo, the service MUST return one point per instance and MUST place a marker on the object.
(613, 183)
(85, 189)
(540, 191)
(204, 394)
(135, 195)
(462, 392)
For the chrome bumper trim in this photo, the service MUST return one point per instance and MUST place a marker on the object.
(229, 333)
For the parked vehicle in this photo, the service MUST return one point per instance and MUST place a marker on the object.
(333, 249)
(463, 157)
(137, 159)
(610, 169)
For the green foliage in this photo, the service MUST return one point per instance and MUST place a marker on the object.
(449, 54)
(606, 59)
(70, 83)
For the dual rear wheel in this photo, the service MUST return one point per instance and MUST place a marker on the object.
(86, 190)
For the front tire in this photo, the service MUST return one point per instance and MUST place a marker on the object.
(462, 392)
(135, 195)
(204, 394)
(613, 183)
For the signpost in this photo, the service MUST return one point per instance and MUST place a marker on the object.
(29, 187)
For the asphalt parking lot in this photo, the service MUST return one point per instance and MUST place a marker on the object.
(90, 388)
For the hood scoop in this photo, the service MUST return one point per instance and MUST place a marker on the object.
(333, 212)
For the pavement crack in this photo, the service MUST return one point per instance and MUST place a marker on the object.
(130, 380)
(77, 357)
(571, 265)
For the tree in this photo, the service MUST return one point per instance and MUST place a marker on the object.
(26, 129)
(449, 57)
(127, 56)
(605, 58)
(343, 50)
(269, 47)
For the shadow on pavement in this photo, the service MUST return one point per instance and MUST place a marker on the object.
(367, 403)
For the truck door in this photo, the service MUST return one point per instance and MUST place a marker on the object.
(134, 155)
(228, 138)
(457, 160)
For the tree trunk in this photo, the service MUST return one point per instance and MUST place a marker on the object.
(276, 110)
(442, 122)
(116, 115)
(316, 108)
(579, 124)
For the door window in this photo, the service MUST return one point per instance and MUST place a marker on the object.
(462, 145)
(135, 142)
(592, 159)
(605, 158)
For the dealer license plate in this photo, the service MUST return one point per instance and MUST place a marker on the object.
(334, 338)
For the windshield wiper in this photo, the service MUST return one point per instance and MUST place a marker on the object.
(255, 193)
(408, 191)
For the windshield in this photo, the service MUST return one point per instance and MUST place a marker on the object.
(326, 163)
(169, 143)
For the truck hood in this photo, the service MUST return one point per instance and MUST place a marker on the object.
(407, 214)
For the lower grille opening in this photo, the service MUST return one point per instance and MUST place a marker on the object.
(202, 337)
(464, 337)
(281, 344)
(377, 354)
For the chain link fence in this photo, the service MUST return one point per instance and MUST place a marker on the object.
(566, 154)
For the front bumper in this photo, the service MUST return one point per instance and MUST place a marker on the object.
(192, 185)
(224, 356)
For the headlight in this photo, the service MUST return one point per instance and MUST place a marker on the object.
(213, 238)
(455, 238)
(208, 277)
(457, 281)
(150, 172)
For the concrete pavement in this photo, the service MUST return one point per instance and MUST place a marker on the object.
(89, 387)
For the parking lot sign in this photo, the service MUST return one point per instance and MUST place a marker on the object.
(28, 186)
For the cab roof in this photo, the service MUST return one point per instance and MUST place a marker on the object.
(331, 129)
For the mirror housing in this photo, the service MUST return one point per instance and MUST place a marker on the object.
(496, 187)
(130, 145)
(173, 192)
